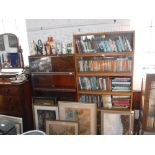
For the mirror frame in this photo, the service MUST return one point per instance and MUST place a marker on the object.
(10, 52)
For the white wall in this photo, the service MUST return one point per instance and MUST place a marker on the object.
(63, 29)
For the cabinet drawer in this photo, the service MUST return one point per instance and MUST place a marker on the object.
(9, 90)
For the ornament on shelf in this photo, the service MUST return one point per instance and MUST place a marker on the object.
(50, 46)
(63, 48)
(40, 47)
(69, 48)
(33, 49)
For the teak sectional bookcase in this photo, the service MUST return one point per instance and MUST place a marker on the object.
(104, 68)
(53, 76)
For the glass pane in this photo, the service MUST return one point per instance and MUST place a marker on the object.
(151, 111)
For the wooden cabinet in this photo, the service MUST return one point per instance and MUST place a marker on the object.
(15, 100)
(53, 76)
(148, 103)
(105, 68)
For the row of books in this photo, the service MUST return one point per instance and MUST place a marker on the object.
(121, 84)
(101, 83)
(119, 64)
(93, 44)
(92, 83)
(107, 101)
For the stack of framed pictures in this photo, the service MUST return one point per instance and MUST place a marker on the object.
(75, 118)
(72, 118)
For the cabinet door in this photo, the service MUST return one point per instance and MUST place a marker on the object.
(52, 64)
(9, 90)
(149, 103)
(63, 64)
(10, 105)
(53, 81)
(40, 64)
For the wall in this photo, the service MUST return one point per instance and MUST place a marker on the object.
(63, 29)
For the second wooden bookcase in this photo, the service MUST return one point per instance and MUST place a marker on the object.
(104, 69)
(53, 76)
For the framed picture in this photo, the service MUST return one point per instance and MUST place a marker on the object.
(44, 101)
(117, 122)
(84, 114)
(43, 113)
(18, 121)
(61, 128)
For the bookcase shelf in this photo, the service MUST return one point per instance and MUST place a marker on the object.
(104, 74)
(104, 92)
(103, 54)
(116, 109)
(54, 73)
(104, 68)
(55, 89)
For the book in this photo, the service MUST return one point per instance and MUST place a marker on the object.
(121, 101)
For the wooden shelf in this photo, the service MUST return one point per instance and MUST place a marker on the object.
(113, 109)
(104, 93)
(104, 33)
(52, 55)
(104, 54)
(105, 74)
(55, 89)
(52, 73)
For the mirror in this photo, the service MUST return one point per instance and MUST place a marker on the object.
(10, 52)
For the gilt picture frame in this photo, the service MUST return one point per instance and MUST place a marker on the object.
(83, 113)
(61, 128)
(43, 113)
(114, 122)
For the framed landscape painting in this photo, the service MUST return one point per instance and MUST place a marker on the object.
(117, 122)
(61, 128)
(43, 113)
(83, 113)
(18, 121)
